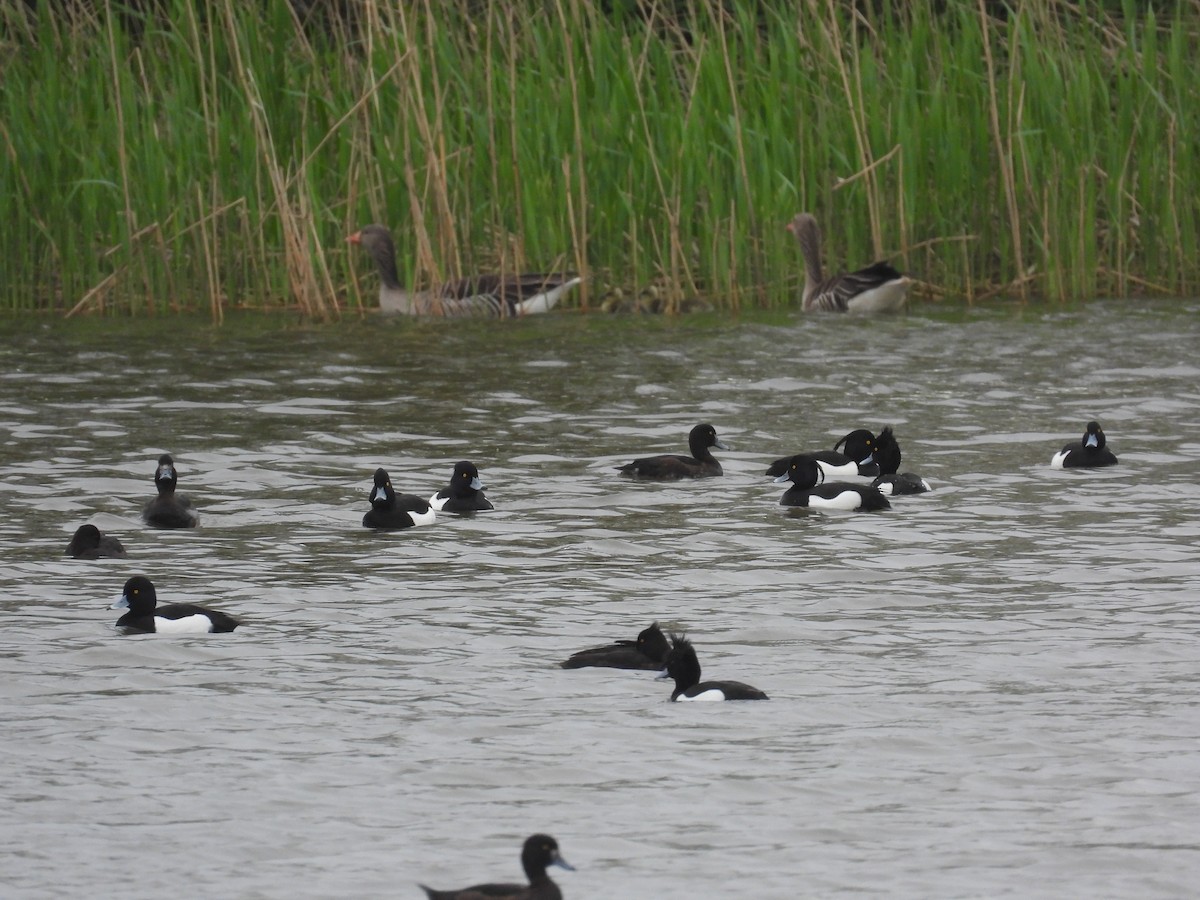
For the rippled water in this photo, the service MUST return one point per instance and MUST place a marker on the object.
(990, 690)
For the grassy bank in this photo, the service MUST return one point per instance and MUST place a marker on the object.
(216, 155)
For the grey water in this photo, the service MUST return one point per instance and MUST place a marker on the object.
(989, 690)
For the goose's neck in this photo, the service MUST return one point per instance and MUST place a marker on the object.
(384, 253)
(809, 236)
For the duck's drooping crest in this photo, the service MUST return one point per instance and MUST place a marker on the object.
(683, 666)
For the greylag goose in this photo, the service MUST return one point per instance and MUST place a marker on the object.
(483, 295)
(877, 288)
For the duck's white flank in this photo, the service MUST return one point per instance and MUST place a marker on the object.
(425, 518)
(845, 500)
(831, 471)
(710, 694)
(194, 624)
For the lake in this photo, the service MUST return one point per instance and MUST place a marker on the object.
(990, 689)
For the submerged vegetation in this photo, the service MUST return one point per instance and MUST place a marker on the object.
(182, 155)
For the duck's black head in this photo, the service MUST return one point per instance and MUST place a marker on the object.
(86, 537)
(138, 595)
(887, 452)
(466, 477)
(701, 438)
(682, 664)
(1093, 437)
(165, 475)
(381, 492)
(653, 643)
(539, 852)
(802, 470)
(859, 445)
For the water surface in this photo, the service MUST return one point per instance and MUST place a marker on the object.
(990, 690)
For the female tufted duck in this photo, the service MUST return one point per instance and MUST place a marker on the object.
(887, 456)
(669, 467)
(540, 852)
(168, 509)
(464, 494)
(857, 459)
(805, 475)
(684, 667)
(390, 510)
(1090, 452)
(89, 542)
(178, 618)
(649, 651)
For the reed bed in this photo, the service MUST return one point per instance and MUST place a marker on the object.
(183, 156)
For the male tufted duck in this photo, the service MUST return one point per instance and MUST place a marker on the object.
(805, 475)
(177, 618)
(89, 542)
(683, 666)
(857, 459)
(390, 510)
(540, 852)
(169, 509)
(669, 467)
(887, 456)
(649, 651)
(464, 494)
(1090, 452)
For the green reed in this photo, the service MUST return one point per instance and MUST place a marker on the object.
(216, 155)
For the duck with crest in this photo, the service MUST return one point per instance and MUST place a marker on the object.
(876, 289)
(390, 511)
(683, 666)
(891, 481)
(649, 652)
(483, 295)
(854, 454)
(809, 490)
(464, 493)
(1089, 452)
